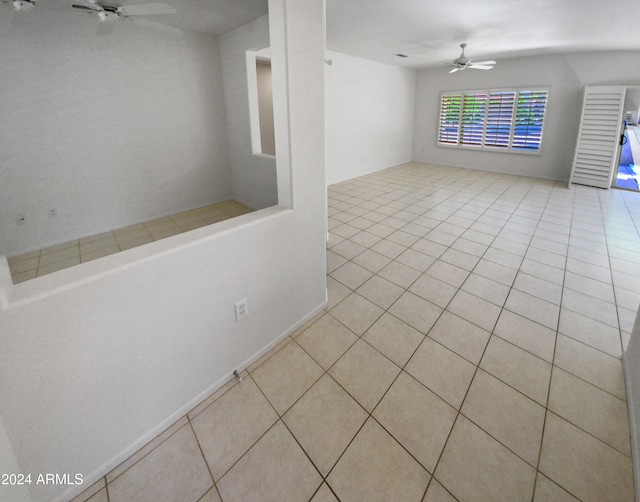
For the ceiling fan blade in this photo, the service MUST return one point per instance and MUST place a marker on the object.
(484, 62)
(453, 70)
(85, 8)
(147, 9)
(480, 66)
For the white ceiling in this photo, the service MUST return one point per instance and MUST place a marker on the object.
(430, 31)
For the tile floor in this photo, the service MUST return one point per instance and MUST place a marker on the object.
(44, 261)
(470, 351)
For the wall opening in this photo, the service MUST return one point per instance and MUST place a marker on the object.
(261, 102)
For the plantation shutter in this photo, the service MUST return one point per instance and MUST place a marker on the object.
(597, 146)
(499, 119)
(474, 107)
(527, 133)
(449, 127)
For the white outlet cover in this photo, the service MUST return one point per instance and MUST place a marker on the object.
(242, 309)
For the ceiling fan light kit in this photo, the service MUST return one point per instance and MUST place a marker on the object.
(463, 62)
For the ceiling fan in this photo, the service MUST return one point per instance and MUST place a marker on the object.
(109, 11)
(463, 62)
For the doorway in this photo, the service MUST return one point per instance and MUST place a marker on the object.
(628, 172)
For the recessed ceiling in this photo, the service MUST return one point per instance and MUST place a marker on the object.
(429, 32)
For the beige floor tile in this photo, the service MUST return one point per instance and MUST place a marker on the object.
(448, 273)
(376, 468)
(460, 259)
(591, 287)
(91, 491)
(175, 470)
(442, 371)
(389, 248)
(593, 410)
(533, 308)
(372, 261)
(150, 446)
(399, 274)
(593, 333)
(583, 465)
(334, 261)
(227, 428)
(437, 493)
(597, 368)
(548, 491)
(526, 334)
(496, 272)
(165, 232)
(211, 496)
(274, 469)
(487, 289)
(24, 265)
(474, 309)
(59, 265)
(590, 307)
(336, 292)
(132, 243)
(286, 376)
(24, 276)
(107, 241)
(602, 274)
(100, 496)
(433, 290)
(417, 418)
(324, 421)
(326, 340)
(539, 288)
(517, 368)
(356, 313)
(476, 467)
(324, 494)
(380, 291)
(416, 260)
(509, 416)
(61, 255)
(98, 253)
(365, 239)
(542, 271)
(464, 338)
(365, 374)
(502, 257)
(416, 311)
(394, 338)
(430, 248)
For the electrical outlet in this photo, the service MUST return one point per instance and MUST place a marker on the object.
(242, 310)
(53, 213)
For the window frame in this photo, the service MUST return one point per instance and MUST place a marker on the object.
(451, 132)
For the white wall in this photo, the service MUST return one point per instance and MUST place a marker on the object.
(97, 359)
(109, 130)
(253, 176)
(565, 74)
(370, 109)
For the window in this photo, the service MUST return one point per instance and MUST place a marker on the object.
(505, 119)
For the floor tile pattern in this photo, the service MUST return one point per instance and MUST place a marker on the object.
(45, 261)
(470, 351)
